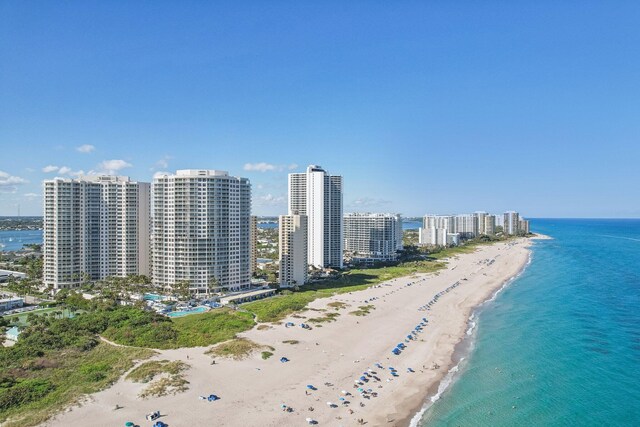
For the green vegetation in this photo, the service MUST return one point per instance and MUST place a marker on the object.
(290, 342)
(173, 384)
(149, 370)
(266, 354)
(363, 310)
(238, 349)
(279, 307)
(337, 305)
(33, 388)
(134, 327)
(330, 317)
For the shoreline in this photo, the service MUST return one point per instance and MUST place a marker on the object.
(329, 356)
(462, 350)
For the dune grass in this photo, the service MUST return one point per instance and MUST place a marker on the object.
(68, 376)
(149, 370)
(237, 349)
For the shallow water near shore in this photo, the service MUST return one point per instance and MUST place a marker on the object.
(561, 344)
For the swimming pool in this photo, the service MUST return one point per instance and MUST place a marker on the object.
(153, 297)
(181, 313)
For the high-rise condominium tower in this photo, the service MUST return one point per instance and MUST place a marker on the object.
(371, 237)
(318, 195)
(94, 227)
(201, 230)
(511, 222)
(293, 249)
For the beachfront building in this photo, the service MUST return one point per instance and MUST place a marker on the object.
(439, 221)
(511, 222)
(372, 237)
(523, 226)
(201, 230)
(437, 237)
(318, 195)
(94, 227)
(489, 225)
(466, 225)
(293, 234)
(253, 241)
(480, 217)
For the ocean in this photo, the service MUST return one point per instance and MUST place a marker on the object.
(560, 345)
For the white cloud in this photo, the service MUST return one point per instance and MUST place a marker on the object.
(162, 164)
(50, 168)
(260, 167)
(31, 195)
(112, 166)
(86, 148)
(9, 183)
(292, 166)
(64, 170)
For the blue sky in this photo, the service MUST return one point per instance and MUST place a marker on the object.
(422, 106)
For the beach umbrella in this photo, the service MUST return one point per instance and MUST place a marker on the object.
(310, 387)
(129, 424)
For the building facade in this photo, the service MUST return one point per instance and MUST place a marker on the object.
(201, 230)
(94, 227)
(253, 240)
(293, 234)
(318, 195)
(489, 225)
(511, 222)
(371, 237)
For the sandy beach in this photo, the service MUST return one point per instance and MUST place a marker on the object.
(331, 357)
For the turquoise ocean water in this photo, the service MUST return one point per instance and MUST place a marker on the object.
(560, 345)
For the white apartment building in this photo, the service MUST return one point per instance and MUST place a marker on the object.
(318, 195)
(439, 221)
(201, 230)
(293, 236)
(466, 225)
(253, 240)
(371, 237)
(480, 216)
(94, 227)
(489, 225)
(511, 222)
(437, 237)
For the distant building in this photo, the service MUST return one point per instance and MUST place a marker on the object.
(437, 237)
(511, 222)
(372, 237)
(480, 217)
(94, 227)
(466, 225)
(293, 235)
(10, 303)
(489, 225)
(432, 236)
(439, 221)
(523, 225)
(253, 241)
(318, 195)
(201, 230)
